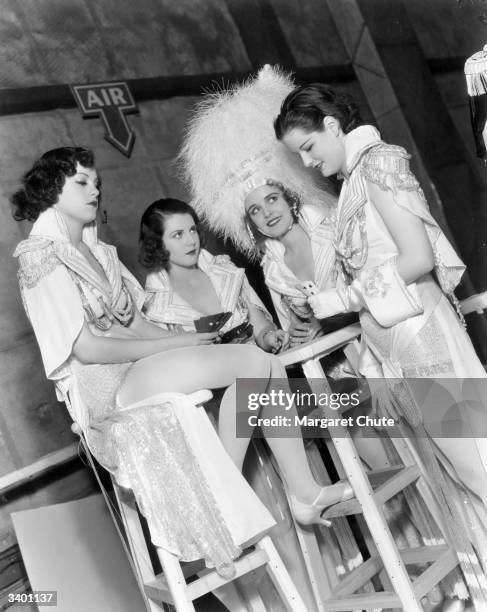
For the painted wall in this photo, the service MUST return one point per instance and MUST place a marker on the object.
(50, 42)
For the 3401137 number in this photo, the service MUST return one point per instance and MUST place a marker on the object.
(41, 598)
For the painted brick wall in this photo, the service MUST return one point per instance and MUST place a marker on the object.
(69, 41)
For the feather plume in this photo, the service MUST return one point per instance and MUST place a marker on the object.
(229, 145)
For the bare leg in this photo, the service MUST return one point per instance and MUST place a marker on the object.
(189, 369)
(289, 452)
(291, 456)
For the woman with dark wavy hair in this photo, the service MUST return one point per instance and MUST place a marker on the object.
(402, 272)
(110, 365)
(186, 282)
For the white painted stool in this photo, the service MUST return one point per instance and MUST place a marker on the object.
(404, 594)
(171, 586)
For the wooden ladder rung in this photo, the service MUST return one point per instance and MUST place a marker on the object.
(366, 601)
(358, 577)
(362, 574)
(401, 478)
(158, 590)
(438, 570)
(382, 475)
(423, 554)
(397, 483)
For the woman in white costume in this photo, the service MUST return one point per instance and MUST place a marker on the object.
(84, 306)
(186, 282)
(389, 244)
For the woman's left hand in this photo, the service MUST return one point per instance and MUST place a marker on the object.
(273, 340)
(327, 303)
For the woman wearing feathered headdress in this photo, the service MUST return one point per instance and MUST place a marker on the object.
(251, 190)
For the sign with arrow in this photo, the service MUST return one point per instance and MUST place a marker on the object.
(111, 102)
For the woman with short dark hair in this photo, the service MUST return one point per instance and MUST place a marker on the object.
(186, 282)
(402, 272)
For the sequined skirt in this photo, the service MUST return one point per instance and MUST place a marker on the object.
(196, 502)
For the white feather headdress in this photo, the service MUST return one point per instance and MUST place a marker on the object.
(230, 149)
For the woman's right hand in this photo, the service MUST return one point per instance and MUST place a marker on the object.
(298, 332)
(303, 331)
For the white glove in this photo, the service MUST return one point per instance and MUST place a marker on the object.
(380, 290)
(335, 301)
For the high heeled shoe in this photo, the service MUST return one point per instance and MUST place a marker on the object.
(310, 514)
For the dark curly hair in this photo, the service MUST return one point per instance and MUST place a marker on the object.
(306, 106)
(153, 255)
(43, 183)
(294, 202)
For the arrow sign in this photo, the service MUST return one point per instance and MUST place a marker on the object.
(110, 101)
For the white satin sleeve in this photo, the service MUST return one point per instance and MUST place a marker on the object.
(388, 167)
(53, 305)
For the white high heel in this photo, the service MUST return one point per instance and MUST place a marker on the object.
(310, 514)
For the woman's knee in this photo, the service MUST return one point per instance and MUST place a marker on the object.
(257, 362)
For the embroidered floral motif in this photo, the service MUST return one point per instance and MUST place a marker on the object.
(35, 265)
(374, 284)
(388, 167)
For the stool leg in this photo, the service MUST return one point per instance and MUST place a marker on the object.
(175, 581)
(280, 577)
(318, 577)
(368, 540)
(373, 515)
(138, 547)
(229, 595)
(252, 596)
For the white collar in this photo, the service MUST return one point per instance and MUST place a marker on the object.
(357, 142)
(51, 224)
